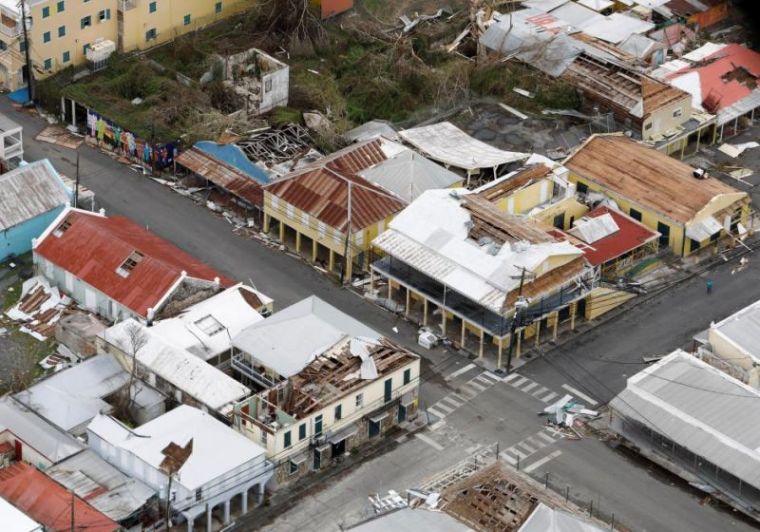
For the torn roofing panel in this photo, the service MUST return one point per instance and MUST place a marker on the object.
(221, 174)
(29, 191)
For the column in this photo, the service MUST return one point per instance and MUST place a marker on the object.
(683, 146)
(408, 303)
(538, 332)
(572, 316)
(282, 232)
(267, 221)
(298, 241)
(63, 108)
(390, 290)
(314, 249)
(501, 348)
(209, 518)
(424, 311)
(372, 281)
(482, 335)
(226, 511)
(331, 262)
(260, 494)
(464, 330)
(556, 326)
(190, 522)
(518, 342)
(349, 260)
(443, 321)
(73, 113)
(244, 502)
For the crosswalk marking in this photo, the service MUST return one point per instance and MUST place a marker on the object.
(519, 382)
(538, 463)
(527, 447)
(546, 437)
(460, 371)
(529, 387)
(467, 393)
(451, 401)
(540, 391)
(484, 380)
(510, 377)
(436, 413)
(434, 444)
(517, 452)
(549, 397)
(491, 376)
(440, 406)
(580, 394)
(507, 458)
(456, 397)
(476, 385)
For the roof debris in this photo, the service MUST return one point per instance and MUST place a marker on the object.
(39, 308)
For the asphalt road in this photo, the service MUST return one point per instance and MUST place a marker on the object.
(595, 363)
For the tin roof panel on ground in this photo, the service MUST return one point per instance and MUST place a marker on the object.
(700, 408)
(636, 172)
(28, 191)
(446, 143)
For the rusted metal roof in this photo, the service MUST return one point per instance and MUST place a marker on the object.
(29, 191)
(93, 248)
(647, 177)
(48, 502)
(322, 188)
(222, 175)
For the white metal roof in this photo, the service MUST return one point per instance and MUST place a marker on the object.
(597, 5)
(206, 328)
(217, 448)
(14, 520)
(411, 520)
(617, 27)
(700, 408)
(550, 50)
(592, 229)
(576, 15)
(409, 174)
(74, 396)
(703, 229)
(446, 143)
(432, 236)
(34, 431)
(703, 51)
(288, 340)
(545, 519)
(179, 367)
(544, 5)
(28, 191)
(371, 129)
(638, 45)
(101, 484)
(742, 329)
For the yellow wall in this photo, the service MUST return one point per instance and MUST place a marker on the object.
(571, 207)
(667, 118)
(524, 199)
(169, 19)
(601, 300)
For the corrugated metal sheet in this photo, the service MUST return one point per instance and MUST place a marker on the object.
(636, 172)
(222, 175)
(322, 188)
(49, 503)
(102, 485)
(29, 191)
(94, 246)
(699, 407)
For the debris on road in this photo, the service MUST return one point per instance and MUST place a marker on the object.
(735, 150)
(565, 410)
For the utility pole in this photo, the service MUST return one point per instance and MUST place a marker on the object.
(348, 237)
(513, 327)
(76, 185)
(27, 45)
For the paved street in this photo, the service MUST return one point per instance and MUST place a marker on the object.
(476, 410)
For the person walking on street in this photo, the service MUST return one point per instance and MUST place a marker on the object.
(709, 284)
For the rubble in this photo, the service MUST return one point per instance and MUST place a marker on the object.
(565, 410)
(39, 308)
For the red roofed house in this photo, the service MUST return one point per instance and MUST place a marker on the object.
(48, 502)
(330, 209)
(722, 79)
(114, 267)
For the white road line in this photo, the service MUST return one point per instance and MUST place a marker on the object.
(546, 437)
(516, 452)
(529, 387)
(527, 447)
(479, 387)
(542, 461)
(519, 382)
(446, 408)
(582, 395)
(451, 401)
(504, 456)
(458, 398)
(549, 397)
(481, 378)
(458, 372)
(510, 377)
(542, 390)
(431, 442)
(493, 376)
(436, 413)
(535, 442)
(402, 439)
(467, 393)
(437, 425)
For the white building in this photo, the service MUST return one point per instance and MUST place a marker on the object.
(221, 465)
(14, 520)
(736, 341)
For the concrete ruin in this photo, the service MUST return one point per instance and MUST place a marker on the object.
(260, 80)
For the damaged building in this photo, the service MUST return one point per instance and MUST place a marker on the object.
(329, 389)
(261, 81)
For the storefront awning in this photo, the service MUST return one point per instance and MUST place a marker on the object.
(342, 434)
(703, 229)
(377, 418)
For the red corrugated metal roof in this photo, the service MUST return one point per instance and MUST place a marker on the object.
(93, 247)
(49, 503)
(222, 175)
(631, 235)
(321, 189)
(719, 90)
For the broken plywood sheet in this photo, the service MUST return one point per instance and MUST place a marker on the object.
(60, 136)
